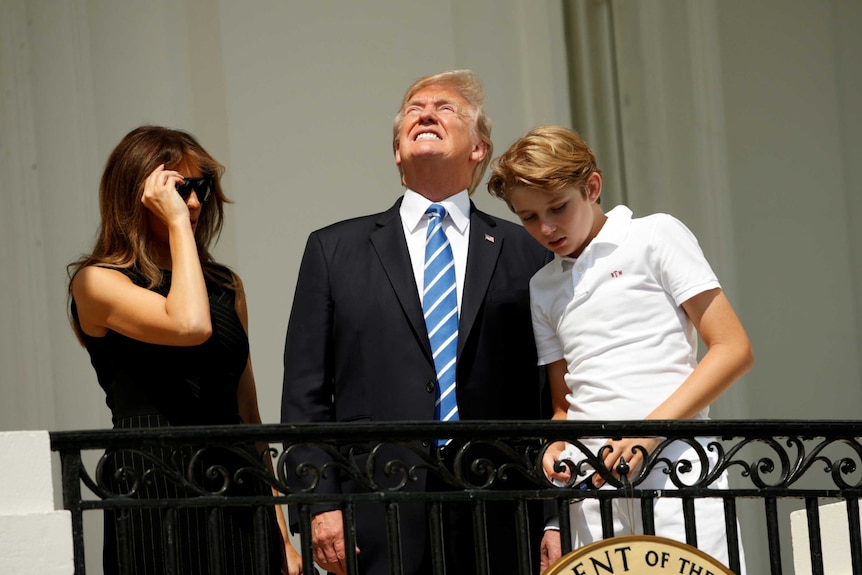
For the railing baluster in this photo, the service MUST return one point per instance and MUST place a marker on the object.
(689, 516)
(70, 465)
(773, 534)
(305, 538)
(169, 541)
(730, 526)
(393, 531)
(480, 537)
(606, 506)
(812, 512)
(435, 520)
(261, 540)
(855, 534)
(522, 531)
(348, 516)
(565, 526)
(214, 541)
(648, 515)
(124, 540)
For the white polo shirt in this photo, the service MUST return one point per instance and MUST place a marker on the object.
(615, 315)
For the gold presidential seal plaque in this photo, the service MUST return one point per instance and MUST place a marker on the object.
(637, 555)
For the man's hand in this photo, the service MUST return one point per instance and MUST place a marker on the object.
(551, 549)
(327, 536)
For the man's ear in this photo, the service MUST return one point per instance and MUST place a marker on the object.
(479, 151)
(397, 153)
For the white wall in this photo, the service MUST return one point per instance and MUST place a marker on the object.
(791, 84)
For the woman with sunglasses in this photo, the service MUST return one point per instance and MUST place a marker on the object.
(166, 330)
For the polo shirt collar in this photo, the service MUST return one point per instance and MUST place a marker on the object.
(613, 233)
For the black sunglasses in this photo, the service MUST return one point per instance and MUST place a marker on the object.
(202, 187)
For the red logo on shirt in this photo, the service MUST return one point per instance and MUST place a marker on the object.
(616, 274)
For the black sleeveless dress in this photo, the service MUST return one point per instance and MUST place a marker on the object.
(148, 385)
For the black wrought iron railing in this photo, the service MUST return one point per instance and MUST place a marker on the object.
(813, 463)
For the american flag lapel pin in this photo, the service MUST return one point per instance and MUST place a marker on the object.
(489, 238)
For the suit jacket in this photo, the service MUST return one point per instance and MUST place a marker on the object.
(357, 335)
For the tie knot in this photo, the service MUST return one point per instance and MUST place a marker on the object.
(436, 210)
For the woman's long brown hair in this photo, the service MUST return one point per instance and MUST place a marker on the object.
(122, 240)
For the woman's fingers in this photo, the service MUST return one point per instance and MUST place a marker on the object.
(160, 195)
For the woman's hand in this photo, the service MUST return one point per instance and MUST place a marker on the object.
(160, 196)
(293, 560)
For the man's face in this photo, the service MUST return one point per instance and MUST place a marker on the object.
(437, 126)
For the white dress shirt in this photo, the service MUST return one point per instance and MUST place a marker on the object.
(456, 225)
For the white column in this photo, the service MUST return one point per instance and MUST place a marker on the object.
(34, 538)
(24, 342)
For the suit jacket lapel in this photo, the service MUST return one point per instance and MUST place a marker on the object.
(391, 247)
(482, 254)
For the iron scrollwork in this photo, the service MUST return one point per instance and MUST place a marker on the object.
(197, 466)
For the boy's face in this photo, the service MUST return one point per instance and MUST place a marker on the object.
(564, 222)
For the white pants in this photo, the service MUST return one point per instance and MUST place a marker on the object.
(667, 512)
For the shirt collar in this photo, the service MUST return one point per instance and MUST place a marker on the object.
(414, 205)
(613, 232)
(616, 227)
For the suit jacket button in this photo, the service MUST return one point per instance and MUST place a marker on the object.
(429, 387)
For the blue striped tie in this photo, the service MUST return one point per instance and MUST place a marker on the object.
(440, 306)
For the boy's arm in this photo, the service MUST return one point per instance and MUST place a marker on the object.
(557, 381)
(559, 389)
(727, 358)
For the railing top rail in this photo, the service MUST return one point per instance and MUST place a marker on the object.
(467, 430)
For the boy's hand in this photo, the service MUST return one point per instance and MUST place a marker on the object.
(552, 455)
(625, 448)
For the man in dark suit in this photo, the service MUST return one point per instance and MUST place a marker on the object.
(358, 346)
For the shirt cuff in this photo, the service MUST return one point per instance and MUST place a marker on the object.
(553, 524)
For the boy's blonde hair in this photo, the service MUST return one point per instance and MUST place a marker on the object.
(549, 158)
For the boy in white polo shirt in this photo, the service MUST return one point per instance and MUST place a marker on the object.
(616, 316)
